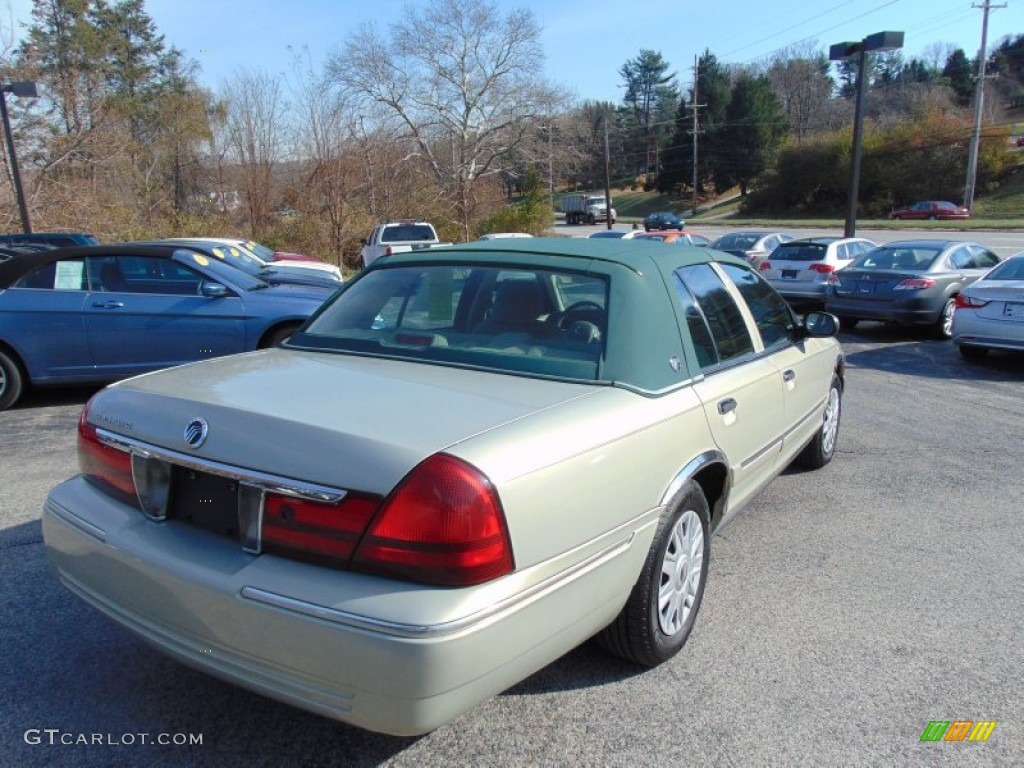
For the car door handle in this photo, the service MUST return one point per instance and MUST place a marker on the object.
(788, 375)
(727, 406)
(108, 304)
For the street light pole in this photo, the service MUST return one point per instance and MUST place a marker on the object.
(18, 89)
(880, 41)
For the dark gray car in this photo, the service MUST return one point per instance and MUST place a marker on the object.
(910, 282)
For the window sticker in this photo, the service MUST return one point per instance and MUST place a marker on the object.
(199, 259)
(69, 275)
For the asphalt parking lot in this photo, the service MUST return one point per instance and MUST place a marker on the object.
(846, 609)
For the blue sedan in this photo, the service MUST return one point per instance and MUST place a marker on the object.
(95, 314)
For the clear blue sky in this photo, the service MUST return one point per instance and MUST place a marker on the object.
(585, 41)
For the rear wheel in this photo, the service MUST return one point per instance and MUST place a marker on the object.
(662, 608)
(931, 218)
(944, 325)
(11, 381)
(822, 447)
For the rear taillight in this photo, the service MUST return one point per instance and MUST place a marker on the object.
(765, 265)
(443, 524)
(963, 302)
(914, 284)
(325, 534)
(825, 269)
(388, 251)
(833, 279)
(104, 465)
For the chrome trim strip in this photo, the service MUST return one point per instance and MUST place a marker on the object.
(803, 419)
(692, 468)
(285, 486)
(399, 629)
(66, 515)
(757, 456)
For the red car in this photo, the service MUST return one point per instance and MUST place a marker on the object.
(931, 210)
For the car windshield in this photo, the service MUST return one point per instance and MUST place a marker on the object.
(800, 252)
(608, 233)
(404, 232)
(901, 258)
(510, 319)
(1011, 269)
(260, 251)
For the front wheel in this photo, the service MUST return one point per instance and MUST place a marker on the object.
(822, 447)
(11, 381)
(662, 608)
(277, 335)
(969, 352)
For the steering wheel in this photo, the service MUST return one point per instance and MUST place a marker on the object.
(566, 317)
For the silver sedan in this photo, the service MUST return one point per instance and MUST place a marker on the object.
(990, 313)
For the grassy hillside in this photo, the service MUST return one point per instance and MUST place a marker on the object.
(1001, 209)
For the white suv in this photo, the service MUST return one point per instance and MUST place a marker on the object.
(799, 269)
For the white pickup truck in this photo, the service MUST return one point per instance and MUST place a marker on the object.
(396, 237)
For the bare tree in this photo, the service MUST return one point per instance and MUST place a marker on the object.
(255, 135)
(800, 77)
(462, 80)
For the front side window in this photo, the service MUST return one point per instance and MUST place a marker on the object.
(142, 274)
(511, 319)
(724, 319)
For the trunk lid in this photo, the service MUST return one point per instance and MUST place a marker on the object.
(340, 420)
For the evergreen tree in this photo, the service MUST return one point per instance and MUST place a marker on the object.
(957, 73)
(651, 95)
(755, 128)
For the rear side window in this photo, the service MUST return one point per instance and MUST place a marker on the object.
(68, 275)
(722, 315)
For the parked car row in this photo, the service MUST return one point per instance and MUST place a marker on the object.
(97, 313)
(924, 282)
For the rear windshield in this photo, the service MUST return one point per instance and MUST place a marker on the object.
(405, 232)
(736, 242)
(510, 319)
(1013, 269)
(800, 252)
(901, 259)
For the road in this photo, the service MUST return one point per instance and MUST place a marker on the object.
(845, 610)
(1002, 243)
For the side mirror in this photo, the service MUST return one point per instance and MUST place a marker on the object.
(212, 290)
(821, 324)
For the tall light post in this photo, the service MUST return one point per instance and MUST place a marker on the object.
(880, 41)
(27, 88)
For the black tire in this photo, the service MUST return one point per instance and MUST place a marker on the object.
(11, 381)
(944, 325)
(819, 452)
(848, 323)
(969, 352)
(276, 335)
(931, 218)
(645, 632)
(591, 220)
(896, 218)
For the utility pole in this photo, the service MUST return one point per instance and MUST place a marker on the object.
(694, 132)
(607, 177)
(979, 99)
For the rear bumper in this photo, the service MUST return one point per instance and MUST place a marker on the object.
(909, 312)
(972, 330)
(331, 642)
